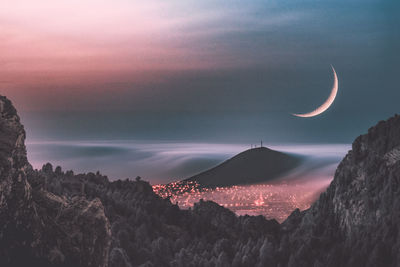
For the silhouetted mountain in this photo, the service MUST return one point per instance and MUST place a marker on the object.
(252, 166)
(54, 218)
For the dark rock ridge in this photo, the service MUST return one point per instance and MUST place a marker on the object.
(356, 221)
(37, 227)
(252, 166)
(54, 218)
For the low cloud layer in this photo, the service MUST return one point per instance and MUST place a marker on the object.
(163, 162)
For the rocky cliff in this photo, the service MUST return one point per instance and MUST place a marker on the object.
(356, 221)
(55, 218)
(39, 228)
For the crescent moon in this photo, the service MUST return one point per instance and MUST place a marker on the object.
(327, 103)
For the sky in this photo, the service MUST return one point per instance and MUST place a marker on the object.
(227, 72)
(199, 70)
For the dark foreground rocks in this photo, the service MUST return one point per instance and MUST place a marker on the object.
(37, 227)
(50, 217)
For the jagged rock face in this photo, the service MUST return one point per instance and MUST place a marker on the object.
(73, 231)
(355, 222)
(13, 161)
(37, 227)
(16, 209)
(366, 196)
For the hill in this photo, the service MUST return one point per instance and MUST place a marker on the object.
(252, 166)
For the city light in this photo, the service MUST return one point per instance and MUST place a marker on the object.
(274, 201)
